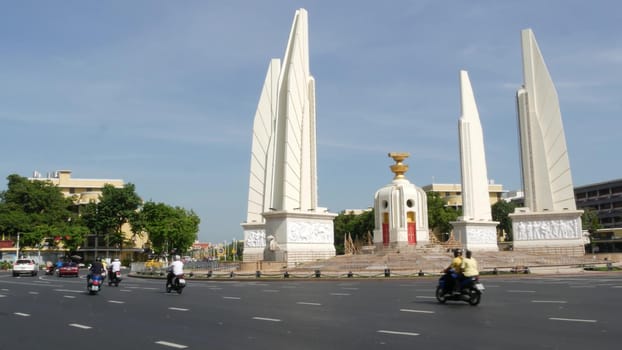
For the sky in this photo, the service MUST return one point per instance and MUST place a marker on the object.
(162, 94)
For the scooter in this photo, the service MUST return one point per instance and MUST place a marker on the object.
(49, 270)
(470, 291)
(114, 278)
(177, 285)
(94, 284)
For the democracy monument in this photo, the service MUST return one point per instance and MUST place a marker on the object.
(285, 224)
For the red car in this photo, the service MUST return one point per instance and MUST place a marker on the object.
(68, 269)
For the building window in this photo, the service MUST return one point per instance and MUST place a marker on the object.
(72, 190)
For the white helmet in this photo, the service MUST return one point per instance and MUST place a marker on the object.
(116, 259)
(177, 258)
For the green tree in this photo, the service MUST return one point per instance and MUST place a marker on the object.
(356, 225)
(439, 214)
(38, 210)
(115, 208)
(170, 229)
(500, 212)
(590, 221)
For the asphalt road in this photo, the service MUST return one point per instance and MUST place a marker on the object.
(47, 312)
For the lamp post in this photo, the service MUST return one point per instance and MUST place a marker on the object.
(17, 248)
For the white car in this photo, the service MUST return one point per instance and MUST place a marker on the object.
(25, 266)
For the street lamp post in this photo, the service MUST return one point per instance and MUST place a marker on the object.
(17, 248)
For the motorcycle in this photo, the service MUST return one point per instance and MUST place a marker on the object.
(94, 284)
(49, 270)
(470, 290)
(177, 285)
(114, 278)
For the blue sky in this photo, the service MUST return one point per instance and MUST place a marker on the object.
(162, 94)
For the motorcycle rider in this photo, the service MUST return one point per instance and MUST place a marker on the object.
(176, 268)
(96, 268)
(115, 266)
(453, 271)
(469, 265)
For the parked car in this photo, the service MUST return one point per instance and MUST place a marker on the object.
(68, 269)
(25, 266)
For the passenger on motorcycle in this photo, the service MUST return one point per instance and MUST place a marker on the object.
(469, 266)
(453, 271)
(96, 268)
(115, 266)
(175, 269)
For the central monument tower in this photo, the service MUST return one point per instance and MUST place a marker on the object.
(400, 209)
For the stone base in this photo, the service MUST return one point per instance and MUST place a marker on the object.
(477, 236)
(554, 232)
(295, 237)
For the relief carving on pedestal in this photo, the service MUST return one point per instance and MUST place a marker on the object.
(307, 232)
(256, 239)
(553, 229)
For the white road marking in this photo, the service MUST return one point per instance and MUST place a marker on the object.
(520, 291)
(2, 296)
(266, 319)
(398, 333)
(116, 302)
(349, 288)
(4, 290)
(124, 290)
(571, 319)
(616, 287)
(69, 296)
(270, 291)
(492, 286)
(582, 286)
(177, 309)
(214, 288)
(425, 290)
(307, 303)
(345, 294)
(417, 311)
(34, 293)
(425, 297)
(233, 298)
(21, 314)
(550, 301)
(69, 290)
(81, 326)
(172, 345)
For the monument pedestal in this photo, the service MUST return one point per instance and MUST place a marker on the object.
(556, 232)
(477, 236)
(295, 237)
(254, 242)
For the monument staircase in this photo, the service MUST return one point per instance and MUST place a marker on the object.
(433, 257)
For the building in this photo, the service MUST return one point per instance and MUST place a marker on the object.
(605, 198)
(83, 192)
(452, 193)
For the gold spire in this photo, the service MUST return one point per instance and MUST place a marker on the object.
(399, 168)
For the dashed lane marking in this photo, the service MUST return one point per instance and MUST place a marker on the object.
(398, 333)
(341, 294)
(425, 297)
(21, 314)
(270, 291)
(520, 291)
(307, 303)
(417, 311)
(571, 319)
(266, 319)
(550, 301)
(177, 309)
(232, 298)
(116, 302)
(33, 293)
(69, 290)
(69, 296)
(81, 326)
(172, 345)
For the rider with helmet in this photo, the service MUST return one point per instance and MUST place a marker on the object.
(96, 268)
(176, 268)
(115, 266)
(453, 271)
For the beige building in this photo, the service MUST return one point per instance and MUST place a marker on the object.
(82, 192)
(452, 193)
